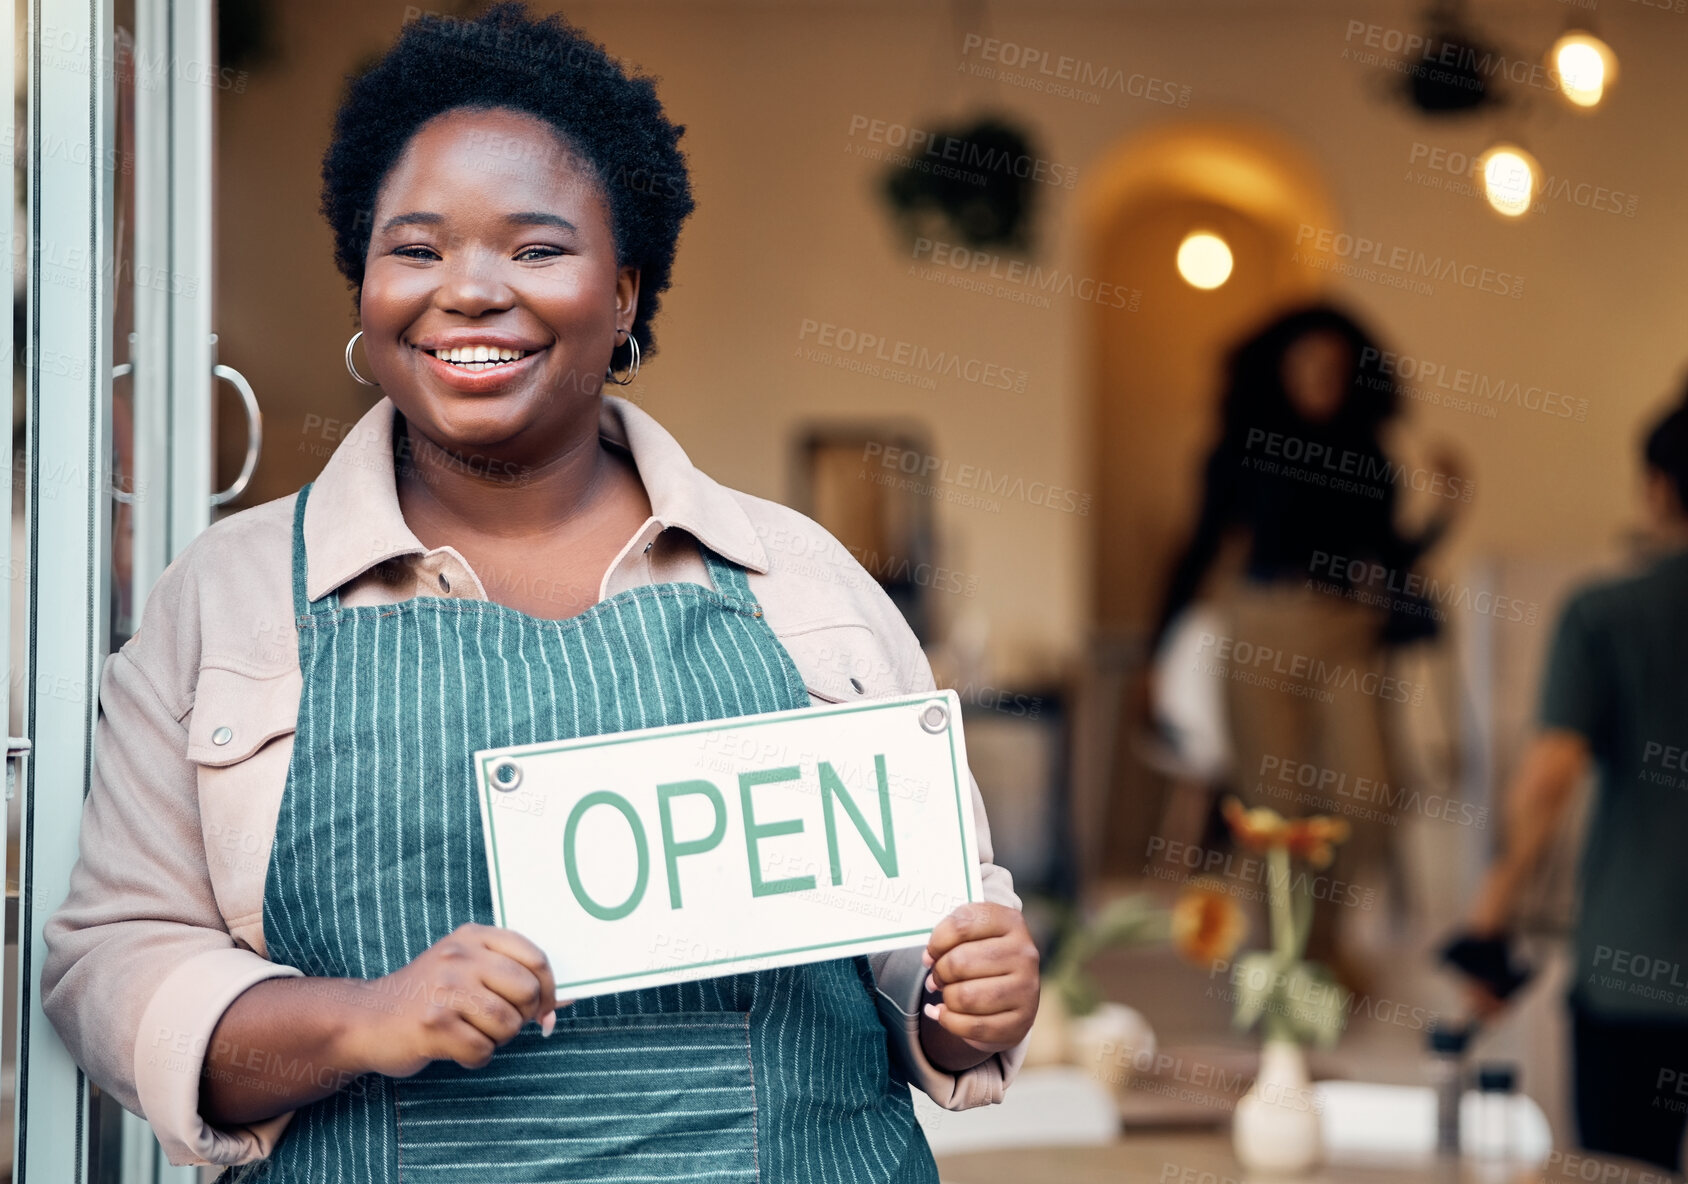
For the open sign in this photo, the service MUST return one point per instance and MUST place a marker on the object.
(671, 854)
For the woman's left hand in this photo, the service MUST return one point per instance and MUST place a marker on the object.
(1447, 460)
(983, 960)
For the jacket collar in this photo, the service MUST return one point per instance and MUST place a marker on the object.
(353, 522)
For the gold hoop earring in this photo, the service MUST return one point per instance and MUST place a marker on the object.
(632, 370)
(351, 365)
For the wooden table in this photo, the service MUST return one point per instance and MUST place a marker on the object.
(1206, 1158)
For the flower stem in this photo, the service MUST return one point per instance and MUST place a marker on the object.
(1283, 920)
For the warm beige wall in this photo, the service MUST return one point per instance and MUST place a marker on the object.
(788, 228)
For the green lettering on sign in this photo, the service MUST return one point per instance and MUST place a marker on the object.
(755, 832)
(832, 786)
(604, 797)
(671, 850)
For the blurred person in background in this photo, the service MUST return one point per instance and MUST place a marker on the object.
(1614, 701)
(1299, 482)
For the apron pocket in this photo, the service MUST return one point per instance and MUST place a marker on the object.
(663, 1096)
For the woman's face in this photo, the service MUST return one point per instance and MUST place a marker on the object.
(1318, 369)
(488, 235)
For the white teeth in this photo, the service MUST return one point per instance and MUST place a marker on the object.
(479, 357)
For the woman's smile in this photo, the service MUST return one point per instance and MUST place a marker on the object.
(479, 361)
(482, 374)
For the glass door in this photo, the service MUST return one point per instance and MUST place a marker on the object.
(113, 366)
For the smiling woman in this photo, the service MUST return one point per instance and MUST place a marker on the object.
(282, 872)
(492, 303)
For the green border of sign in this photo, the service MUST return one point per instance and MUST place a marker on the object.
(771, 718)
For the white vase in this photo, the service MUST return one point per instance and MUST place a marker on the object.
(1275, 1130)
(1048, 1044)
(1110, 1043)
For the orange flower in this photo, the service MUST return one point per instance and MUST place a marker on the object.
(1313, 839)
(1207, 925)
(1263, 829)
(1259, 829)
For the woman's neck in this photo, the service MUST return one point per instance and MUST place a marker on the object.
(444, 495)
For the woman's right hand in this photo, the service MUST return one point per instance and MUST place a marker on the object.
(288, 1041)
(458, 1000)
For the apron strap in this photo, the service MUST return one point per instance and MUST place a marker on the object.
(301, 600)
(729, 578)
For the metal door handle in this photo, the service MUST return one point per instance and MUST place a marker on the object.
(254, 432)
(121, 370)
(17, 748)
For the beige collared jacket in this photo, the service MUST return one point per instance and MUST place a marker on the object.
(163, 926)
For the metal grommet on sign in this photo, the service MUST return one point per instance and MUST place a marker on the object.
(934, 717)
(222, 736)
(856, 684)
(506, 775)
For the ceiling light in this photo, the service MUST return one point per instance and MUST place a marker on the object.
(1204, 260)
(1510, 177)
(1585, 66)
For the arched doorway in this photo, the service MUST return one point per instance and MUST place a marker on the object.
(1155, 383)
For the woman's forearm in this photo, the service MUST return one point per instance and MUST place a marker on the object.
(286, 1042)
(1535, 807)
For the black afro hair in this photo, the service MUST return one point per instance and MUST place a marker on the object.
(1665, 448)
(546, 68)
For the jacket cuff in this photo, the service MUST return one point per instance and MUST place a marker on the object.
(170, 1050)
(899, 988)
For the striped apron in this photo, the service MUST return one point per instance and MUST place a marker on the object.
(781, 1075)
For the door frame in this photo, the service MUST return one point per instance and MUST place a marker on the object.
(67, 476)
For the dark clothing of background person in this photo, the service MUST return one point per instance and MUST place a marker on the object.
(1625, 1076)
(1299, 528)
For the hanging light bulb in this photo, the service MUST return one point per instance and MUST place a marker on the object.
(1585, 66)
(1510, 177)
(1204, 260)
